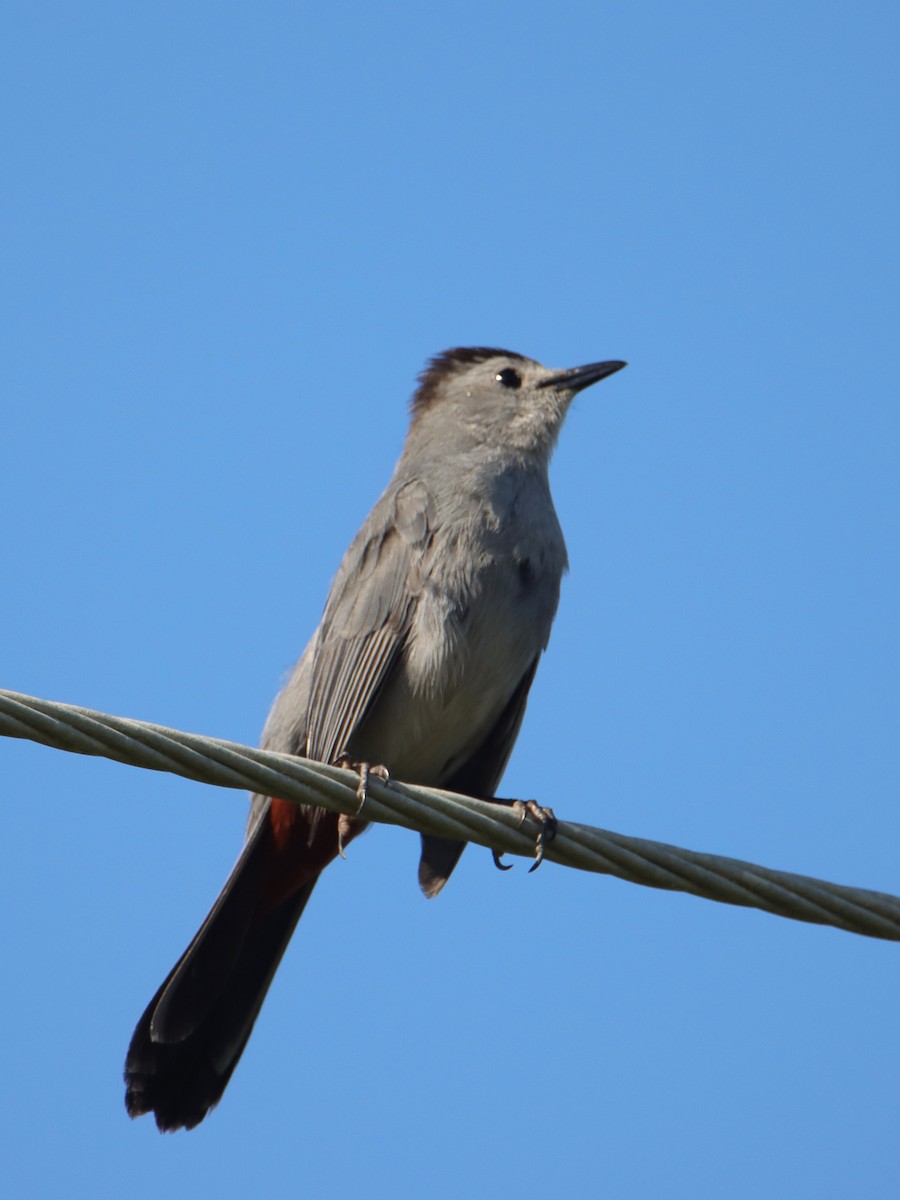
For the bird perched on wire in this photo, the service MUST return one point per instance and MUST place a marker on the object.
(422, 664)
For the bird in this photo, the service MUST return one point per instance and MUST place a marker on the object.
(422, 663)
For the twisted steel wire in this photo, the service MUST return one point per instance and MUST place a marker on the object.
(430, 810)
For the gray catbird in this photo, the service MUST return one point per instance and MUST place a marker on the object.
(422, 663)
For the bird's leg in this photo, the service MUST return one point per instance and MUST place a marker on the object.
(546, 820)
(363, 770)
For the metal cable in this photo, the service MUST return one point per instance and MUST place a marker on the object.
(429, 810)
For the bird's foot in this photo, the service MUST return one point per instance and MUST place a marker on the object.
(546, 820)
(364, 770)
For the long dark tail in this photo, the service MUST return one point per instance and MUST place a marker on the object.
(193, 1031)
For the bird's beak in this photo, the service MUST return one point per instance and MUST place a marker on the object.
(577, 378)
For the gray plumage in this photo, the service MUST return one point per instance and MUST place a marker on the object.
(422, 662)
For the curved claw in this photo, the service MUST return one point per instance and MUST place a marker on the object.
(498, 854)
(539, 852)
(546, 820)
(363, 770)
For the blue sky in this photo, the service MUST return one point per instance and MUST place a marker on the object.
(232, 236)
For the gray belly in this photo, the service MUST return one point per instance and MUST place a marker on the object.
(461, 665)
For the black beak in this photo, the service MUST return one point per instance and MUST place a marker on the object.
(577, 378)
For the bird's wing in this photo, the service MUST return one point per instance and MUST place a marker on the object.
(367, 617)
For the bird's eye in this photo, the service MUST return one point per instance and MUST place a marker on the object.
(509, 378)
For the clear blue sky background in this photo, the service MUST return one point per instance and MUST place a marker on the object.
(232, 234)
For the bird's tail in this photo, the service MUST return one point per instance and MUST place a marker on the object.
(193, 1031)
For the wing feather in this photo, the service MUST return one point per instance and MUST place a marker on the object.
(368, 617)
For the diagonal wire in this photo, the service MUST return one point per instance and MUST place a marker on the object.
(430, 810)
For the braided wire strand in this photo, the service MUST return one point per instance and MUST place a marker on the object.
(430, 810)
